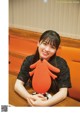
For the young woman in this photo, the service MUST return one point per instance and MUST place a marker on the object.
(46, 49)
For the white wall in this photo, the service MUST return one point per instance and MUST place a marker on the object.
(60, 15)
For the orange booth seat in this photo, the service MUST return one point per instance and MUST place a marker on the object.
(20, 47)
(72, 56)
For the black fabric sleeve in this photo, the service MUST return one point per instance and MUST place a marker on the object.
(24, 71)
(64, 75)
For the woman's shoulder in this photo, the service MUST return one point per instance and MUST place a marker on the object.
(61, 62)
(60, 59)
(29, 58)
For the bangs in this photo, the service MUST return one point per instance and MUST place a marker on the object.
(50, 41)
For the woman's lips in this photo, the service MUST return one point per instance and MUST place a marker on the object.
(45, 54)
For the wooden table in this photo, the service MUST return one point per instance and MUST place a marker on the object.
(16, 100)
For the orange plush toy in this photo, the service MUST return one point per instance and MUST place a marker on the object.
(41, 80)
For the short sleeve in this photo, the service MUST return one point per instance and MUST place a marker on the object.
(64, 75)
(24, 71)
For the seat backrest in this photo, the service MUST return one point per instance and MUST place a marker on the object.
(72, 56)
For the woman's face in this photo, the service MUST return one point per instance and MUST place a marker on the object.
(46, 50)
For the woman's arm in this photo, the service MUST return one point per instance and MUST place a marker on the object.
(21, 90)
(58, 97)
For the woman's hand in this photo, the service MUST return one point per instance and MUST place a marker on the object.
(36, 100)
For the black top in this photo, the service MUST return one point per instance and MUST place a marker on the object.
(62, 80)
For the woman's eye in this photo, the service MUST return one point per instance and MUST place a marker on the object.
(44, 43)
(53, 47)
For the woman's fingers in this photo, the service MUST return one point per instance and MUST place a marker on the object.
(40, 95)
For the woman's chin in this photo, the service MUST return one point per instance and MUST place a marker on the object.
(43, 57)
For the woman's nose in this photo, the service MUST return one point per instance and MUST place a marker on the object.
(47, 48)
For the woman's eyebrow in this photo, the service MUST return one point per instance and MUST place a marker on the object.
(47, 41)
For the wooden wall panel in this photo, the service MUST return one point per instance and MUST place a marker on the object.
(65, 41)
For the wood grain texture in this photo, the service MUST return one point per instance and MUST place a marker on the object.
(65, 41)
